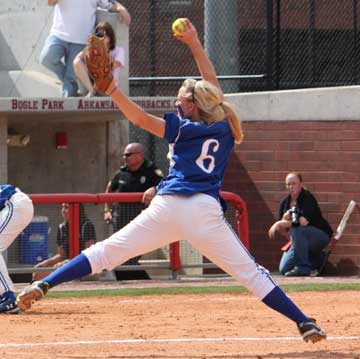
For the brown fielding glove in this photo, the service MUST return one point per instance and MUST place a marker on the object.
(280, 228)
(99, 63)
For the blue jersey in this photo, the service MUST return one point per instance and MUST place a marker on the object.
(198, 155)
(6, 191)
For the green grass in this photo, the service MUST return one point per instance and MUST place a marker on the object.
(198, 290)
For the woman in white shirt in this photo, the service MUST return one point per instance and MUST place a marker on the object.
(73, 22)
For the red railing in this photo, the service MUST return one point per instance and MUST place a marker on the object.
(75, 198)
(242, 218)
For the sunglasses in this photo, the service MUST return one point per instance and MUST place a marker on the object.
(100, 34)
(129, 154)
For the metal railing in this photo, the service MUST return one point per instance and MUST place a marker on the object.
(174, 262)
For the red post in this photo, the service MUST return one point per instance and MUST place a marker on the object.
(242, 219)
(74, 230)
(175, 261)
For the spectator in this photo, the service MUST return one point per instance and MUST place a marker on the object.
(73, 22)
(105, 30)
(16, 212)
(136, 175)
(309, 232)
(87, 237)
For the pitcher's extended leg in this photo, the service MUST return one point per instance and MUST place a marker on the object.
(145, 233)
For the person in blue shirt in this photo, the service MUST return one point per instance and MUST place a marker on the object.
(16, 212)
(201, 137)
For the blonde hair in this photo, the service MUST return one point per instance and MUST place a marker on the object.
(208, 99)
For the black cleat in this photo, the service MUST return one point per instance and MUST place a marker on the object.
(310, 331)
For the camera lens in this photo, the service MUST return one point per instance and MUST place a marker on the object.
(295, 217)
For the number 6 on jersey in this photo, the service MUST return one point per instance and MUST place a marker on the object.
(205, 155)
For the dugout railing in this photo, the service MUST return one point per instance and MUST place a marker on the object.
(237, 216)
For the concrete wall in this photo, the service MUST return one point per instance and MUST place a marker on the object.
(24, 27)
(3, 150)
(84, 166)
(41, 167)
(330, 103)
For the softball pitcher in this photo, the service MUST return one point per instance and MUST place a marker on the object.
(16, 212)
(201, 137)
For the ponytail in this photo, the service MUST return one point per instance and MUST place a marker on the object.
(208, 99)
(234, 122)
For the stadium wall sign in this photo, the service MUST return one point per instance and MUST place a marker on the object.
(80, 104)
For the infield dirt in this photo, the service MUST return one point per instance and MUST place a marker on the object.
(179, 326)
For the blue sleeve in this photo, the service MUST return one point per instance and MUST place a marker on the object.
(172, 126)
(6, 191)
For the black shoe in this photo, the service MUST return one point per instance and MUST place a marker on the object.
(314, 273)
(310, 331)
(296, 273)
(8, 305)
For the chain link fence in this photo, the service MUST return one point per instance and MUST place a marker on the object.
(315, 43)
(260, 44)
(155, 53)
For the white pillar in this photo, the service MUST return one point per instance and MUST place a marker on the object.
(3, 151)
(3, 159)
(221, 39)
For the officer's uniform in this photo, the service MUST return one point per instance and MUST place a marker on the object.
(125, 180)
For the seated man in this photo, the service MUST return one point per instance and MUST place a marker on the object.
(309, 232)
(87, 237)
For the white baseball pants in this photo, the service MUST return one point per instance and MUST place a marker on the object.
(198, 219)
(14, 217)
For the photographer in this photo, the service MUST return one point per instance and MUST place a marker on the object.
(300, 218)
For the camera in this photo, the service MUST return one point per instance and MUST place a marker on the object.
(295, 216)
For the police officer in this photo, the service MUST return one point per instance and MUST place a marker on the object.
(136, 175)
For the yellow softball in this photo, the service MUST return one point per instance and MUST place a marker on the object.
(178, 26)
